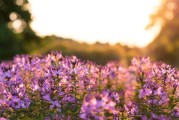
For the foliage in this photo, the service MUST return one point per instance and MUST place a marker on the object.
(55, 87)
(98, 52)
(165, 47)
(15, 27)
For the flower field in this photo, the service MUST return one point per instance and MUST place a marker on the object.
(54, 87)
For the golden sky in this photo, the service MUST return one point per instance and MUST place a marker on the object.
(110, 21)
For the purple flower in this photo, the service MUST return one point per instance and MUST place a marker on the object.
(131, 109)
(159, 117)
(47, 97)
(96, 106)
(66, 83)
(144, 92)
(55, 104)
(140, 65)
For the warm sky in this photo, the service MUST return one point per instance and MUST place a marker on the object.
(110, 21)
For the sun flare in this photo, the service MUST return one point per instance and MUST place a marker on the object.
(110, 21)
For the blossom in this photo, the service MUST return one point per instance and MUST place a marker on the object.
(68, 88)
(131, 108)
(95, 106)
(144, 92)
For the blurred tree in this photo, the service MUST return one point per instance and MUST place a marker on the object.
(165, 46)
(15, 30)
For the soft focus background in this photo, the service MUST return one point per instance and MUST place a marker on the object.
(98, 30)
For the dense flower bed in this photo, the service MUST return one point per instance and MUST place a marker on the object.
(54, 87)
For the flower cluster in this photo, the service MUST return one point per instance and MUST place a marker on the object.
(99, 106)
(57, 87)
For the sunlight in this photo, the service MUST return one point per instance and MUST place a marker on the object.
(114, 21)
